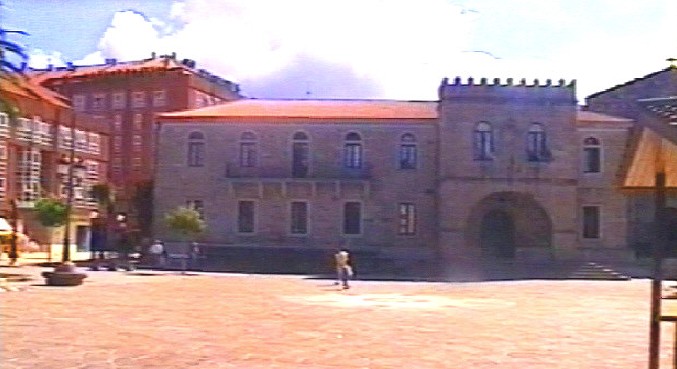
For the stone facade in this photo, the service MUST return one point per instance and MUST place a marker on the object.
(498, 174)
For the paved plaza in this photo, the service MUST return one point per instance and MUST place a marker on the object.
(149, 319)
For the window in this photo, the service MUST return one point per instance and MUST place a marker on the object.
(79, 102)
(138, 121)
(81, 140)
(591, 221)
(592, 155)
(353, 151)
(159, 98)
(537, 148)
(248, 149)
(408, 151)
(117, 122)
(119, 100)
(138, 99)
(300, 155)
(136, 163)
(299, 217)
(245, 217)
(136, 142)
(352, 218)
(94, 143)
(483, 141)
(198, 206)
(407, 215)
(196, 149)
(117, 143)
(99, 101)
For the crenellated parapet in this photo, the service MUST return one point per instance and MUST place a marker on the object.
(482, 90)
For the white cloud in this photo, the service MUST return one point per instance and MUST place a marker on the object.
(41, 59)
(399, 48)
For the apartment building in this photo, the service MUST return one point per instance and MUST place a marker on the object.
(37, 139)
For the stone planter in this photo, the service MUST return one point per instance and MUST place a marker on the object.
(65, 274)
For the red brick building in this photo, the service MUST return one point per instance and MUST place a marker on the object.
(126, 95)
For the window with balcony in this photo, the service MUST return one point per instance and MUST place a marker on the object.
(352, 151)
(196, 149)
(407, 215)
(408, 151)
(248, 150)
(94, 143)
(352, 218)
(81, 140)
(159, 98)
(119, 100)
(483, 142)
(299, 217)
(537, 146)
(245, 216)
(117, 123)
(592, 150)
(138, 122)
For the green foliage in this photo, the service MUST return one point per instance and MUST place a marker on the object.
(51, 212)
(185, 222)
(12, 55)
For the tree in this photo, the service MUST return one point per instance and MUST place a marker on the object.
(10, 54)
(185, 222)
(51, 212)
(143, 204)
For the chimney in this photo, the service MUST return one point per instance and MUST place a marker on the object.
(111, 61)
(152, 55)
(70, 66)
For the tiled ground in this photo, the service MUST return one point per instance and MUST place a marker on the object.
(120, 320)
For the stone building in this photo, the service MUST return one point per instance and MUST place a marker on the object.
(36, 142)
(491, 170)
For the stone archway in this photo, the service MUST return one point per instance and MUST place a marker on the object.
(503, 223)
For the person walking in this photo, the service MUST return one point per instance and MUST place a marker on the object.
(194, 256)
(343, 268)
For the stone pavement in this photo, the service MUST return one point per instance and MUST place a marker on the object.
(148, 319)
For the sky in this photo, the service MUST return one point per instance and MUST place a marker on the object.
(355, 49)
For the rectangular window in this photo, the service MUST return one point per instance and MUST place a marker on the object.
(136, 142)
(247, 154)
(591, 222)
(591, 160)
(353, 155)
(138, 121)
(299, 217)
(136, 163)
(117, 122)
(407, 215)
(196, 154)
(117, 143)
(79, 102)
(352, 218)
(408, 156)
(159, 98)
(138, 99)
(198, 206)
(245, 217)
(99, 101)
(119, 100)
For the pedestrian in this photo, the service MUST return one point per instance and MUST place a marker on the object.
(343, 268)
(157, 250)
(194, 255)
(124, 242)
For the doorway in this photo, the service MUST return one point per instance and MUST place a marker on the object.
(497, 234)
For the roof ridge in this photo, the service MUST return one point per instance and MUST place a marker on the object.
(627, 83)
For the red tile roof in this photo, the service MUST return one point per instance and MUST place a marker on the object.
(650, 75)
(283, 110)
(27, 88)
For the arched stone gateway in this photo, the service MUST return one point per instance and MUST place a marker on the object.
(504, 223)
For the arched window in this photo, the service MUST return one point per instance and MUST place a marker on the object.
(592, 150)
(300, 155)
(248, 149)
(352, 151)
(196, 149)
(537, 146)
(483, 141)
(408, 151)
